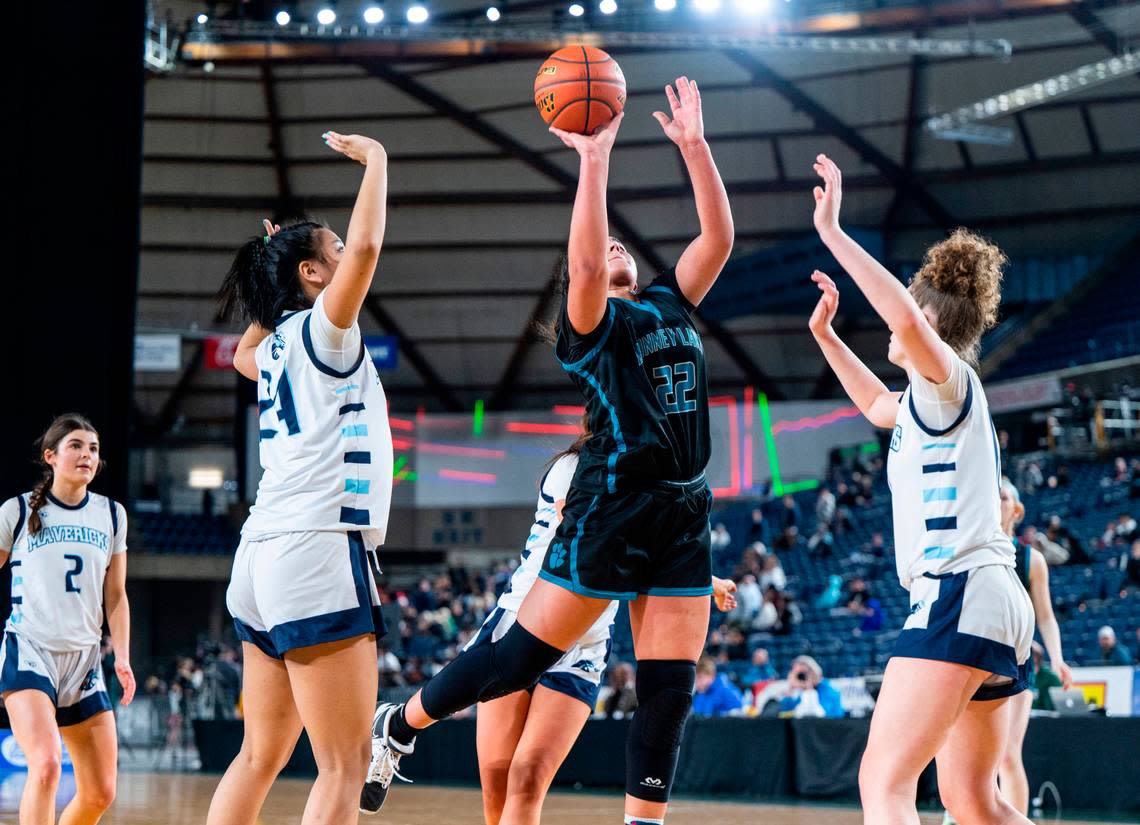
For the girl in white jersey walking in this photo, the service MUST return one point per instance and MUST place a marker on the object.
(67, 547)
(302, 594)
(523, 738)
(963, 650)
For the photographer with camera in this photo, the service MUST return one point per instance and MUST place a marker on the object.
(809, 694)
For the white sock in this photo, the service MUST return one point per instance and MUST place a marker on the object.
(640, 820)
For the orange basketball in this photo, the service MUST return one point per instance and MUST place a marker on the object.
(579, 89)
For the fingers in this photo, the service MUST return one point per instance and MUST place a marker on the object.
(564, 136)
(267, 225)
(661, 118)
(823, 278)
(684, 92)
(674, 103)
(818, 192)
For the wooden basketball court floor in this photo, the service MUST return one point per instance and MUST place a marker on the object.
(183, 799)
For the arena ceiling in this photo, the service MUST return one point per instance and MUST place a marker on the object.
(480, 193)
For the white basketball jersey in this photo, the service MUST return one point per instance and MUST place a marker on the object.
(944, 470)
(326, 448)
(554, 487)
(58, 573)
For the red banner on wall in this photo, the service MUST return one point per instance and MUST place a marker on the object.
(219, 354)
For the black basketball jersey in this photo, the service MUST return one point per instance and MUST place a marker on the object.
(642, 372)
(1022, 554)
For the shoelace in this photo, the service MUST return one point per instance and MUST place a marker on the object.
(383, 769)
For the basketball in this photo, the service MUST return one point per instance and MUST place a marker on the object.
(579, 89)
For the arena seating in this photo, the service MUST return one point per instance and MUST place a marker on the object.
(1099, 327)
(197, 535)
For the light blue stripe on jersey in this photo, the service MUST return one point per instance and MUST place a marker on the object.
(941, 445)
(940, 494)
(357, 485)
(346, 388)
(354, 431)
(938, 552)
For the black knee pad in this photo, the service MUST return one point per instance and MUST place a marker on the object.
(486, 672)
(664, 696)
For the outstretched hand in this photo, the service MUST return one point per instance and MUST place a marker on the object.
(827, 307)
(356, 147)
(686, 126)
(270, 227)
(827, 197)
(597, 145)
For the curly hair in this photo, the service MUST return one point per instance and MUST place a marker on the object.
(960, 281)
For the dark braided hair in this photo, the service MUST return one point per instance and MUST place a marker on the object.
(50, 440)
(263, 282)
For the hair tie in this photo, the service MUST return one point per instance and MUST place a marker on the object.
(266, 239)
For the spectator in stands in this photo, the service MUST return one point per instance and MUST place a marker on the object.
(1034, 479)
(809, 694)
(772, 574)
(1058, 533)
(424, 598)
(825, 506)
(1003, 448)
(1132, 566)
(1054, 553)
(790, 520)
(749, 601)
(845, 496)
(787, 612)
(735, 646)
(1111, 651)
(758, 529)
(388, 668)
(822, 541)
(1043, 679)
(423, 643)
(831, 595)
(719, 539)
(873, 617)
(619, 698)
(761, 669)
(865, 495)
(1120, 472)
(715, 694)
(858, 593)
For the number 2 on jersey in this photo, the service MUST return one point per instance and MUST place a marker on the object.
(282, 400)
(676, 388)
(69, 584)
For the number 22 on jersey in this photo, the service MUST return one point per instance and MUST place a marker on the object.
(678, 381)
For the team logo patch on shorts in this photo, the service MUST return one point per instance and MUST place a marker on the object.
(89, 680)
(587, 666)
(557, 556)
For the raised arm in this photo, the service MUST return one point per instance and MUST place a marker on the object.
(890, 299)
(353, 277)
(1046, 620)
(871, 396)
(589, 227)
(701, 262)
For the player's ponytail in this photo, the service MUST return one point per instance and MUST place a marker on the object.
(50, 440)
(264, 279)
